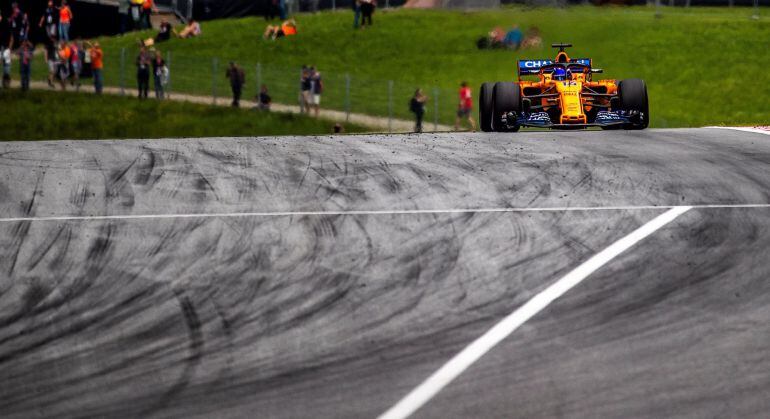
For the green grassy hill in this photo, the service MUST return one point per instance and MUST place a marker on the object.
(42, 115)
(702, 65)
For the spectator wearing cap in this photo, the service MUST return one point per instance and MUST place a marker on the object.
(237, 80)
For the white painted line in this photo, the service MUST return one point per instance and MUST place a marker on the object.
(364, 212)
(765, 131)
(455, 366)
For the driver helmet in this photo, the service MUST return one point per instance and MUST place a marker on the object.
(559, 74)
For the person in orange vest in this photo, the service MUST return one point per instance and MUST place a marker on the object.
(65, 20)
(147, 7)
(97, 64)
(63, 63)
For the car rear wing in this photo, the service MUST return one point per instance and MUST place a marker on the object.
(532, 67)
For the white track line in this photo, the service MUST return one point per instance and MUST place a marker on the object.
(364, 212)
(746, 129)
(452, 369)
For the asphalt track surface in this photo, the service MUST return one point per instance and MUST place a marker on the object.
(339, 315)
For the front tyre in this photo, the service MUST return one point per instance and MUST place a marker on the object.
(507, 98)
(633, 99)
(485, 107)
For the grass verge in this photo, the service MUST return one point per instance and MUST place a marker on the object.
(43, 115)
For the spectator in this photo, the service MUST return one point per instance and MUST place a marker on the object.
(164, 32)
(192, 29)
(287, 28)
(25, 64)
(136, 13)
(305, 90)
(367, 8)
(5, 58)
(272, 10)
(237, 80)
(143, 62)
(282, 9)
(263, 99)
(52, 59)
(356, 13)
(513, 38)
(316, 89)
(465, 107)
(417, 106)
(533, 39)
(4, 31)
(19, 24)
(159, 75)
(50, 20)
(76, 64)
(65, 20)
(123, 10)
(97, 64)
(147, 7)
(63, 64)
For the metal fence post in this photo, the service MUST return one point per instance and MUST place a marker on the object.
(756, 10)
(301, 98)
(168, 65)
(123, 71)
(259, 77)
(214, 80)
(435, 109)
(390, 105)
(347, 98)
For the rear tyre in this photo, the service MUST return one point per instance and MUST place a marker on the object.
(507, 98)
(485, 107)
(633, 97)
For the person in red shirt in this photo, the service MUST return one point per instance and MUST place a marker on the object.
(465, 108)
(65, 19)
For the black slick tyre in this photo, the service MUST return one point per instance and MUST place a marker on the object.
(507, 98)
(633, 97)
(485, 107)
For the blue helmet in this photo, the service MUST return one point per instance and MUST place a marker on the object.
(559, 74)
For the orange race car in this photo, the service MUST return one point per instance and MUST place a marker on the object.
(565, 96)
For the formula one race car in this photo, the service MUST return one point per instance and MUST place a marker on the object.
(563, 97)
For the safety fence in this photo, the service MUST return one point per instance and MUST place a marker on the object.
(350, 94)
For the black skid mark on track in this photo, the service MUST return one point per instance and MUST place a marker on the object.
(21, 229)
(117, 186)
(195, 333)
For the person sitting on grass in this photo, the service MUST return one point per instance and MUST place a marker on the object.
(513, 38)
(287, 28)
(191, 30)
(533, 39)
(263, 99)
